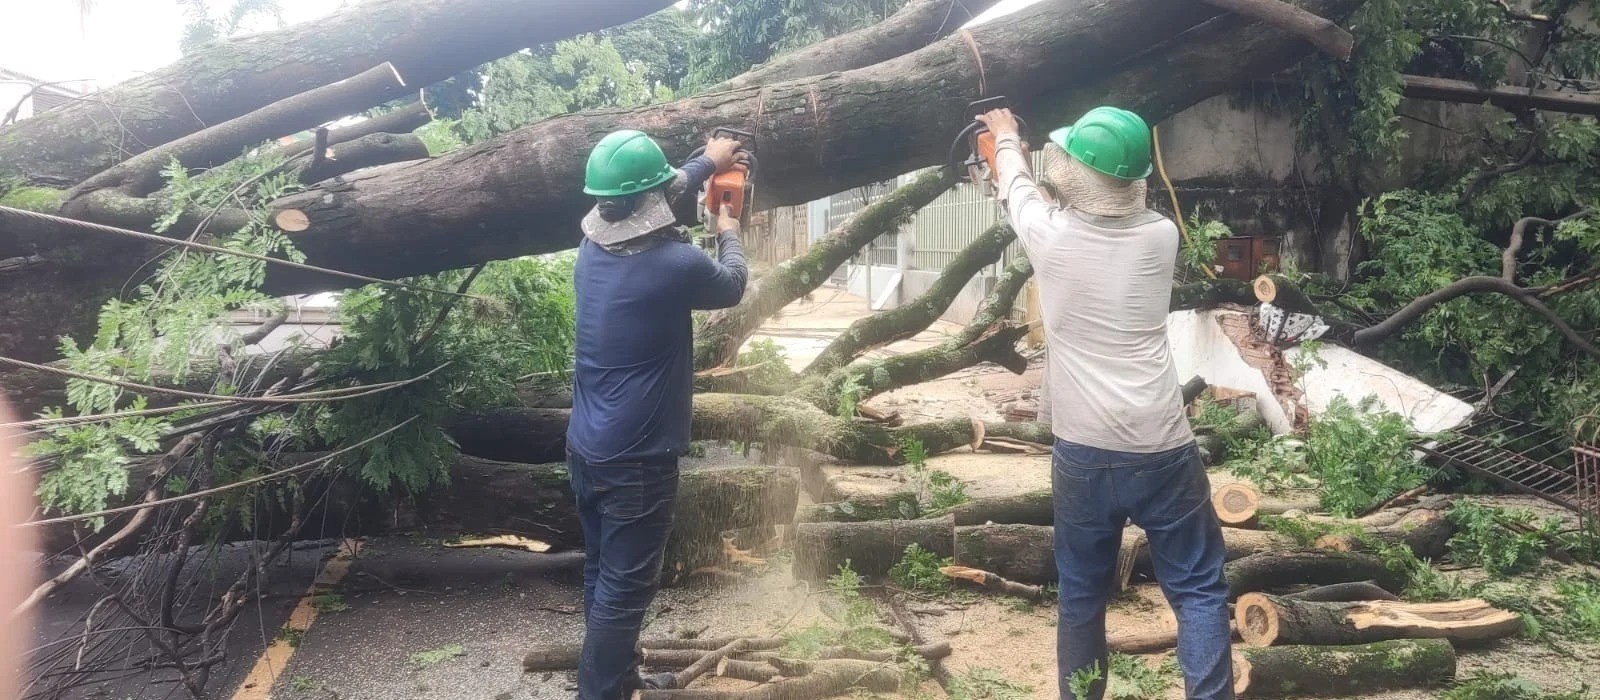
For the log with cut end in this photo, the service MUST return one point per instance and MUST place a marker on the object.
(869, 548)
(1236, 505)
(1342, 671)
(1152, 642)
(740, 669)
(1031, 508)
(1274, 570)
(1267, 620)
(817, 679)
(994, 583)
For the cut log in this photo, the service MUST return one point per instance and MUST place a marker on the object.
(1425, 532)
(869, 548)
(1031, 508)
(1342, 671)
(1344, 592)
(993, 583)
(1238, 544)
(1267, 620)
(1274, 570)
(1021, 553)
(821, 679)
(1236, 505)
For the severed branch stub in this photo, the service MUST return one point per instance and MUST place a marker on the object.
(993, 583)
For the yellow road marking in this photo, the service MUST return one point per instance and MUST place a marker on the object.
(258, 684)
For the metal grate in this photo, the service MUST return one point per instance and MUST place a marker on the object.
(1512, 452)
(1586, 461)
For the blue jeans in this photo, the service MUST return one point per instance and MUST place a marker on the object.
(1168, 495)
(626, 513)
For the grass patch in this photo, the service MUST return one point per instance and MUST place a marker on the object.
(1133, 679)
(291, 635)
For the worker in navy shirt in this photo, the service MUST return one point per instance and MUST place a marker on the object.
(638, 278)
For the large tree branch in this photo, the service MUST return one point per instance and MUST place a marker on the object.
(1471, 285)
(141, 174)
(914, 26)
(916, 315)
(1508, 258)
(718, 339)
(425, 40)
(1321, 32)
(518, 194)
(365, 152)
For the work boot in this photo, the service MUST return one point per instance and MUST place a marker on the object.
(646, 681)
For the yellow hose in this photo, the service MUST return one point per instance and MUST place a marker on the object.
(1155, 136)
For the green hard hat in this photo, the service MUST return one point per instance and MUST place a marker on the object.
(1112, 141)
(623, 163)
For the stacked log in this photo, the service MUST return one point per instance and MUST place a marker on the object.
(1268, 620)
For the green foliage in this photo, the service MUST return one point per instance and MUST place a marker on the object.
(302, 684)
(441, 136)
(769, 359)
(1083, 680)
(523, 325)
(742, 33)
(1484, 537)
(918, 570)
(434, 657)
(1199, 250)
(291, 635)
(205, 24)
(1579, 603)
(1494, 685)
(936, 489)
(160, 327)
(858, 625)
(850, 397)
(980, 682)
(1358, 455)
(574, 74)
(1133, 679)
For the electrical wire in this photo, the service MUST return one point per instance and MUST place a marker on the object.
(308, 397)
(1177, 213)
(163, 240)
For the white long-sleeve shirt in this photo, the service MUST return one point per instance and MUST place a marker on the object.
(1105, 287)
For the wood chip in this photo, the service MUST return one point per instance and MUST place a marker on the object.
(511, 541)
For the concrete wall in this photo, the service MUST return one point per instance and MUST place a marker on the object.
(913, 283)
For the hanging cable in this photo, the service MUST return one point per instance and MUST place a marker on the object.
(308, 397)
(163, 240)
(1177, 213)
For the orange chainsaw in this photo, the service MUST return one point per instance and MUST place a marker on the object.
(734, 188)
(972, 153)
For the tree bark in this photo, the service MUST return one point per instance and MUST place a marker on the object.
(426, 41)
(564, 657)
(993, 583)
(1426, 532)
(870, 548)
(914, 26)
(1344, 593)
(1343, 671)
(1267, 620)
(1272, 570)
(534, 500)
(365, 152)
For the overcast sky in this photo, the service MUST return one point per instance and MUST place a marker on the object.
(123, 38)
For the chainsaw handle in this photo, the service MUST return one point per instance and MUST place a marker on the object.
(962, 144)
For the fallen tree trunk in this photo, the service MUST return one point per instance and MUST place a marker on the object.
(1343, 671)
(1425, 532)
(1267, 620)
(426, 41)
(1275, 570)
(533, 500)
(1022, 553)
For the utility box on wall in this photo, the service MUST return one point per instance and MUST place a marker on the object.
(1245, 257)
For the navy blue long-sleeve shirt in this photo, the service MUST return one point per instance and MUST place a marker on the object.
(634, 377)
